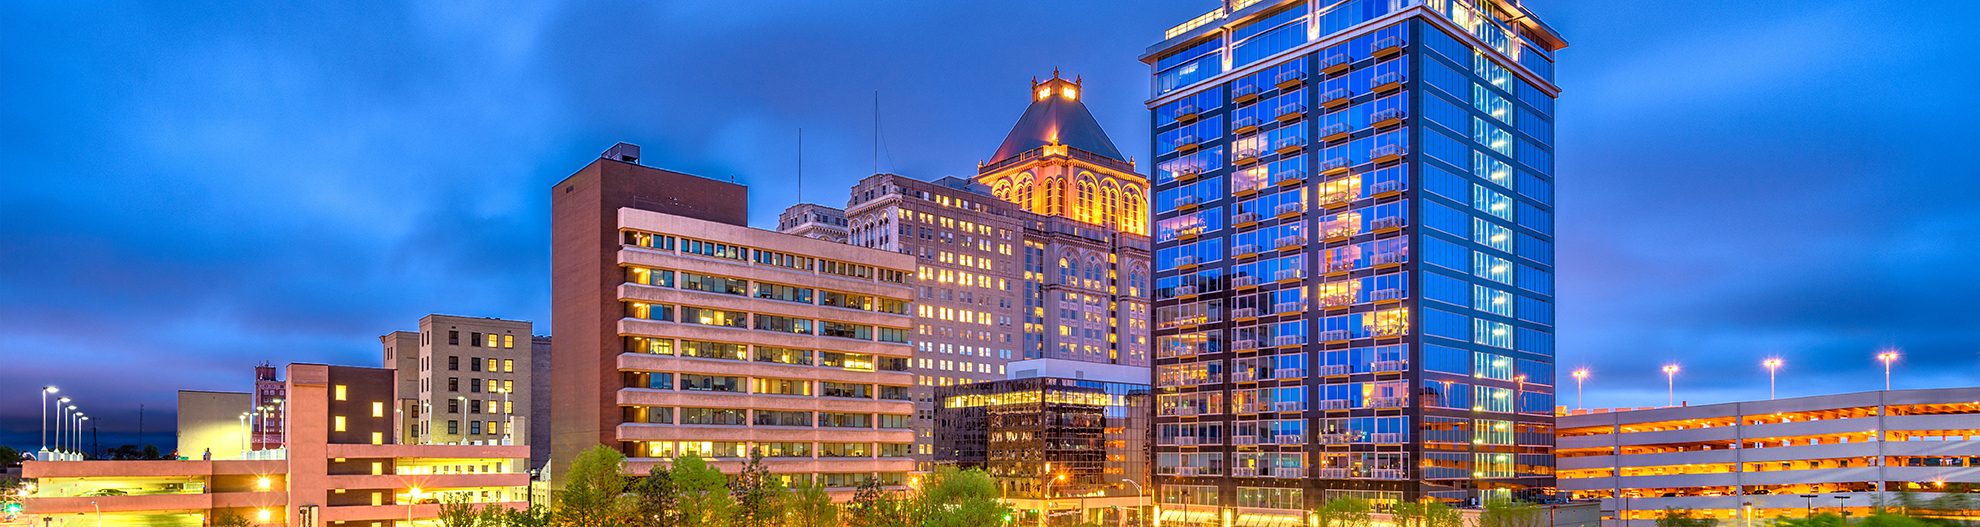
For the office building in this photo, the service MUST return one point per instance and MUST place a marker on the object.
(462, 380)
(539, 402)
(1042, 255)
(812, 220)
(339, 467)
(1353, 251)
(267, 420)
(681, 330)
(1785, 458)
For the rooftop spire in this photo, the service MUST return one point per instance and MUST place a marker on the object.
(1056, 117)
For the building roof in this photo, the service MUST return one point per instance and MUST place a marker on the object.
(1056, 116)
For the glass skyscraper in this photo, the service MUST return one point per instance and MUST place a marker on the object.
(1353, 227)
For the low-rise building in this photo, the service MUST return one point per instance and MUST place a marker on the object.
(341, 467)
(1772, 459)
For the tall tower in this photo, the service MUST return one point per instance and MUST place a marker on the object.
(1353, 255)
(1058, 162)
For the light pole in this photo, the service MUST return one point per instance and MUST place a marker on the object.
(1773, 364)
(1579, 376)
(1670, 384)
(80, 421)
(1140, 500)
(45, 390)
(412, 497)
(1888, 356)
(244, 435)
(59, 403)
(1810, 513)
(1045, 511)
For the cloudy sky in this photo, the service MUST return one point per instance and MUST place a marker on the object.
(191, 190)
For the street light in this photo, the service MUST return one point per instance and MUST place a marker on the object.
(1140, 500)
(1670, 384)
(412, 497)
(1773, 364)
(1045, 511)
(1888, 356)
(1579, 376)
(45, 390)
(58, 422)
(80, 420)
(1811, 505)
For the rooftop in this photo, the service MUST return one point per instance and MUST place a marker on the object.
(1056, 117)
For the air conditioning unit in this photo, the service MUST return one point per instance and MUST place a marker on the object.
(1288, 208)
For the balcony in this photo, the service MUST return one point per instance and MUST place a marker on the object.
(1187, 113)
(1386, 295)
(1334, 63)
(1188, 173)
(1288, 210)
(1332, 404)
(1242, 220)
(1186, 471)
(1338, 335)
(1289, 340)
(1186, 261)
(1289, 242)
(1386, 366)
(1387, 260)
(1244, 440)
(1334, 98)
(1244, 376)
(1333, 165)
(1183, 441)
(1333, 473)
(1245, 157)
(1388, 82)
(1334, 370)
(1386, 153)
(1288, 472)
(1245, 281)
(1290, 112)
(1287, 178)
(1185, 202)
(1385, 188)
(1289, 439)
(1287, 406)
(1336, 301)
(1386, 117)
(1282, 308)
(1185, 290)
(1289, 145)
(1244, 92)
(1244, 472)
(1244, 313)
(1245, 125)
(1288, 275)
(1385, 402)
(1186, 143)
(1333, 439)
(1290, 79)
(1338, 230)
(1334, 132)
(1336, 199)
(1244, 344)
(1386, 331)
(1388, 46)
(1388, 473)
(1385, 439)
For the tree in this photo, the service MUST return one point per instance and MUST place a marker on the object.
(702, 493)
(1820, 519)
(654, 500)
(230, 519)
(1346, 511)
(1407, 514)
(1509, 513)
(1683, 518)
(536, 516)
(959, 498)
(810, 506)
(9, 457)
(759, 497)
(455, 511)
(874, 506)
(594, 489)
(1437, 514)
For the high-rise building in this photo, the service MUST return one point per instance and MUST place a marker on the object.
(462, 380)
(812, 220)
(1354, 255)
(539, 404)
(1043, 255)
(680, 330)
(266, 417)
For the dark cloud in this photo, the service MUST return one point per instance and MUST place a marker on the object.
(191, 191)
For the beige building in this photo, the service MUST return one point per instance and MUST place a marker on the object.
(461, 380)
(213, 424)
(812, 220)
(681, 330)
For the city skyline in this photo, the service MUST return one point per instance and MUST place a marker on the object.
(218, 205)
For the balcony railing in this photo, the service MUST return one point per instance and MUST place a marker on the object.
(1243, 92)
(1385, 295)
(1333, 473)
(1337, 335)
(1333, 164)
(1244, 312)
(1289, 439)
(1385, 439)
(1288, 340)
(1286, 177)
(1334, 369)
(1283, 472)
(1244, 440)
(1288, 307)
(1332, 404)
(1288, 112)
(1334, 63)
(1289, 79)
(1334, 98)
(1288, 274)
(1381, 366)
(1286, 209)
(1289, 242)
(1244, 472)
(1245, 280)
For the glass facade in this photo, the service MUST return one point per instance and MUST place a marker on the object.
(1354, 254)
(1026, 432)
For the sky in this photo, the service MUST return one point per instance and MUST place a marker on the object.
(189, 190)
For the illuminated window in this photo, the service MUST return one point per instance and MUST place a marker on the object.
(508, 341)
(377, 468)
(508, 365)
(337, 423)
(341, 391)
(378, 438)
(377, 409)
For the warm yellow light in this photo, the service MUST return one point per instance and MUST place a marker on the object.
(1581, 374)
(1071, 93)
(261, 483)
(1043, 93)
(1771, 363)
(263, 514)
(1670, 369)
(1887, 356)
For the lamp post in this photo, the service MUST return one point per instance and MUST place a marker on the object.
(1887, 356)
(1670, 384)
(412, 497)
(244, 434)
(1810, 513)
(1773, 364)
(1140, 498)
(1045, 510)
(80, 421)
(45, 390)
(1579, 376)
(1839, 507)
(59, 403)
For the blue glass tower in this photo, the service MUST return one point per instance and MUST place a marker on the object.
(1354, 257)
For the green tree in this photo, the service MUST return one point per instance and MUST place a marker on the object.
(536, 516)
(759, 496)
(1407, 514)
(702, 493)
(655, 503)
(456, 511)
(1683, 518)
(875, 506)
(1347, 511)
(811, 506)
(1820, 519)
(230, 519)
(1437, 514)
(594, 489)
(959, 498)
(1509, 513)
(9, 457)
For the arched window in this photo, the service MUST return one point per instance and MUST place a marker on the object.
(1002, 190)
(1021, 192)
(1054, 196)
(1095, 272)
(1134, 217)
(1068, 271)
(1110, 205)
(1088, 210)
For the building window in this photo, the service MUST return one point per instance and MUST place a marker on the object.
(453, 337)
(453, 406)
(453, 363)
(453, 427)
(474, 364)
(474, 339)
(508, 365)
(341, 391)
(453, 384)
(337, 423)
(492, 342)
(377, 409)
(508, 341)
(378, 438)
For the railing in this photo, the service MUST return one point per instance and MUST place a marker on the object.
(1388, 473)
(1333, 163)
(1334, 130)
(1336, 300)
(1239, 91)
(1288, 143)
(1288, 472)
(1288, 307)
(1388, 365)
(1333, 61)
(1333, 97)
(1389, 150)
(1244, 312)
(1333, 404)
(1289, 77)
(1387, 43)
(1388, 438)
(1287, 406)
(1339, 229)
(1386, 402)
(1187, 259)
(1386, 259)
(1244, 344)
(1340, 265)
(1185, 201)
(1185, 110)
(1381, 295)
(1243, 218)
(1333, 439)
(1245, 280)
(1335, 198)
(1291, 109)
(1243, 376)
(1284, 242)
(1334, 369)
(1386, 114)
(1288, 176)
(1333, 473)
(1185, 290)
(1244, 472)
(1386, 331)
(1330, 336)
(1183, 441)
(1288, 340)
(1245, 156)
(1289, 439)
(1288, 208)
(1388, 78)
(1244, 440)
(1187, 471)
(1246, 122)
(1288, 274)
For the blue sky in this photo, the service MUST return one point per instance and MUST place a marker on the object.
(190, 190)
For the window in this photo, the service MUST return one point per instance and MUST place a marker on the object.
(337, 423)
(453, 406)
(492, 341)
(474, 364)
(377, 409)
(453, 363)
(508, 365)
(712, 416)
(711, 383)
(783, 292)
(777, 418)
(342, 392)
(474, 427)
(453, 427)
(508, 341)
(378, 438)
(453, 338)
(453, 384)
(474, 339)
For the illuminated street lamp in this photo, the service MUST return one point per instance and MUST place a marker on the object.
(1670, 384)
(80, 420)
(1888, 356)
(45, 390)
(1579, 376)
(1772, 364)
(59, 403)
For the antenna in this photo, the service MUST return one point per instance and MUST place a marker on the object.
(800, 161)
(876, 131)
